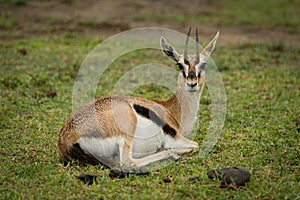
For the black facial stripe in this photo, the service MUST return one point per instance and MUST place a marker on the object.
(179, 66)
(199, 74)
(149, 114)
(186, 62)
(183, 73)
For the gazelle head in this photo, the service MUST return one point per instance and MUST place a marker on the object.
(191, 67)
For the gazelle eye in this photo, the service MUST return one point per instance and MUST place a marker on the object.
(179, 66)
(202, 66)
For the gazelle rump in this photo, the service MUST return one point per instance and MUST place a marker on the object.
(135, 132)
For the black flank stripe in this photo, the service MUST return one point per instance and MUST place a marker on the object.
(78, 154)
(149, 114)
(169, 130)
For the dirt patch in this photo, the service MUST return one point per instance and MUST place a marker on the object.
(100, 19)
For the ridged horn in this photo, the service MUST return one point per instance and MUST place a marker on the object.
(186, 44)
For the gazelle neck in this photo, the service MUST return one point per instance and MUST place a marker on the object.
(184, 106)
(188, 108)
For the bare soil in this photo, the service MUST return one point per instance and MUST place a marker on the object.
(58, 17)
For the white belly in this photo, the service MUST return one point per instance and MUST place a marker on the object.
(148, 138)
(106, 150)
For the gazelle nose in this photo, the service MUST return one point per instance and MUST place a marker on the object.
(192, 84)
(192, 75)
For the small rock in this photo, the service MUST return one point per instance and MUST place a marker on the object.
(87, 178)
(167, 179)
(122, 173)
(22, 51)
(194, 178)
(231, 175)
(51, 93)
(117, 173)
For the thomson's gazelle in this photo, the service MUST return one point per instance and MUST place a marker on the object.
(134, 132)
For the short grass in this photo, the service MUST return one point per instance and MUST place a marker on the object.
(7, 21)
(261, 134)
(262, 14)
(262, 84)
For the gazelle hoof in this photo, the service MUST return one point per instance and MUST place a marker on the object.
(174, 156)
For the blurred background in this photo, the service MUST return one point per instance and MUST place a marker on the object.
(238, 21)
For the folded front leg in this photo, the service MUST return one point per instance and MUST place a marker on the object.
(181, 145)
(159, 156)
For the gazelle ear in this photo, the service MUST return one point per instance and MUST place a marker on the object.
(209, 48)
(168, 49)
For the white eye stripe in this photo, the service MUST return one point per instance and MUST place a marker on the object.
(198, 68)
(186, 69)
(185, 66)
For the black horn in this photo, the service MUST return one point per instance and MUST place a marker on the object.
(186, 44)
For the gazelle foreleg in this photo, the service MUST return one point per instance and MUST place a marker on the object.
(128, 160)
(181, 145)
(174, 146)
(159, 156)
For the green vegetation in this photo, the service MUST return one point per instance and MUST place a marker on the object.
(265, 14)
(6, 21)
(261, 13)
(261, 130)
(262, 85)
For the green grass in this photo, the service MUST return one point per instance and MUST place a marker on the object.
(7, 21)
(262, 84)
(260, 134)
(263, 14)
